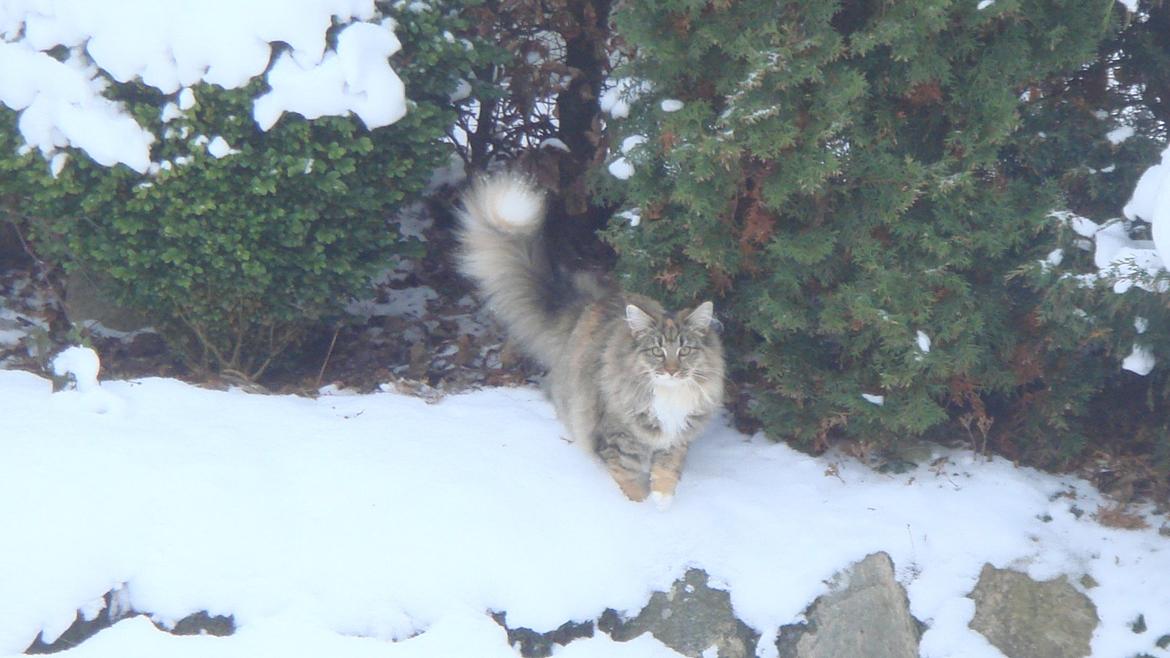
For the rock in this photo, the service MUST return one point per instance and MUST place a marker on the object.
(1028, 619)
(201, 623)
(866, 614)
(87, 301)
(115, 608)
(691, 619)
(540, 645)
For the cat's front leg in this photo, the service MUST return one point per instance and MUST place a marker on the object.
(665, 471)
(625, 462)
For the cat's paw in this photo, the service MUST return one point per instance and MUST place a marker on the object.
(633, 490)
(661, 500)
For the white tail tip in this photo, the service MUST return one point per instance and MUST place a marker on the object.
(509, 202)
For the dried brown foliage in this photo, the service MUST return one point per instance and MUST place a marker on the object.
(1118, 516)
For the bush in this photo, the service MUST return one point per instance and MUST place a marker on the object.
(846, 178)
(235, 257)
(1095, 320)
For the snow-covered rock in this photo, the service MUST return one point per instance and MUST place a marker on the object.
(691, 617)
(865, 614)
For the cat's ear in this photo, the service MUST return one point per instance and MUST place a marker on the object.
(700, 319)
(638, 319)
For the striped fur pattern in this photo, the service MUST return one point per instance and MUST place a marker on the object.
(632, 381)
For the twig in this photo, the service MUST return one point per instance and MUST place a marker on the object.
(206, 344)
(276, 347)
(28, 250)
(328, 354)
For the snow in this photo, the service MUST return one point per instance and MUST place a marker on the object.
(923, 341)
(621, 169)
(600, 646)
(171, 47)
(1120, 134)
(404, 302)
(10, 337)
(186, 99)
(57, 163)
(1140, 361)
(1124, 261)
(615, 101)
(331, 526)
(357, 78)
(632, 142)
(1127, 262)
(554, 143)
(1124, 258)
(219, 148)
(60, 104)
(1082, 226)
(382, 525)
(1054, 257)
(414, 221)
(80, 362)
(634, 217)
(1151, 202)
(170, 112)
(984, 4)
(15, 327)
(462, 89)
(81, 366)
(458, 635)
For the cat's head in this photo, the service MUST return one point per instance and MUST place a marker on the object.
(675, 347)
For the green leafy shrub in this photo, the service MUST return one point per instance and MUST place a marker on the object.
(845, 178)
(235, 257)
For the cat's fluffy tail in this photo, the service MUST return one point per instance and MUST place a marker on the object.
(502, 250)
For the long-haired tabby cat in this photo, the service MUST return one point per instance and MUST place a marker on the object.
(632, 381)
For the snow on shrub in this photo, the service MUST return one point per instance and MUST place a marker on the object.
(1124, 262)
(1151, 202)
(61, 57)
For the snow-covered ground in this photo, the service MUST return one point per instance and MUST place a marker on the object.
(380, 525)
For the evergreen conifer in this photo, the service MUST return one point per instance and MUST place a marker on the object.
(845, 178)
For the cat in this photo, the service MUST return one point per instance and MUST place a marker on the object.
(632, 382)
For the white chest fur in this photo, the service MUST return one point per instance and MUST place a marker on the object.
(674, 402)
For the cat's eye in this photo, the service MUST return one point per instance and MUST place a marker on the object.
(658, 352)
(684, 350)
